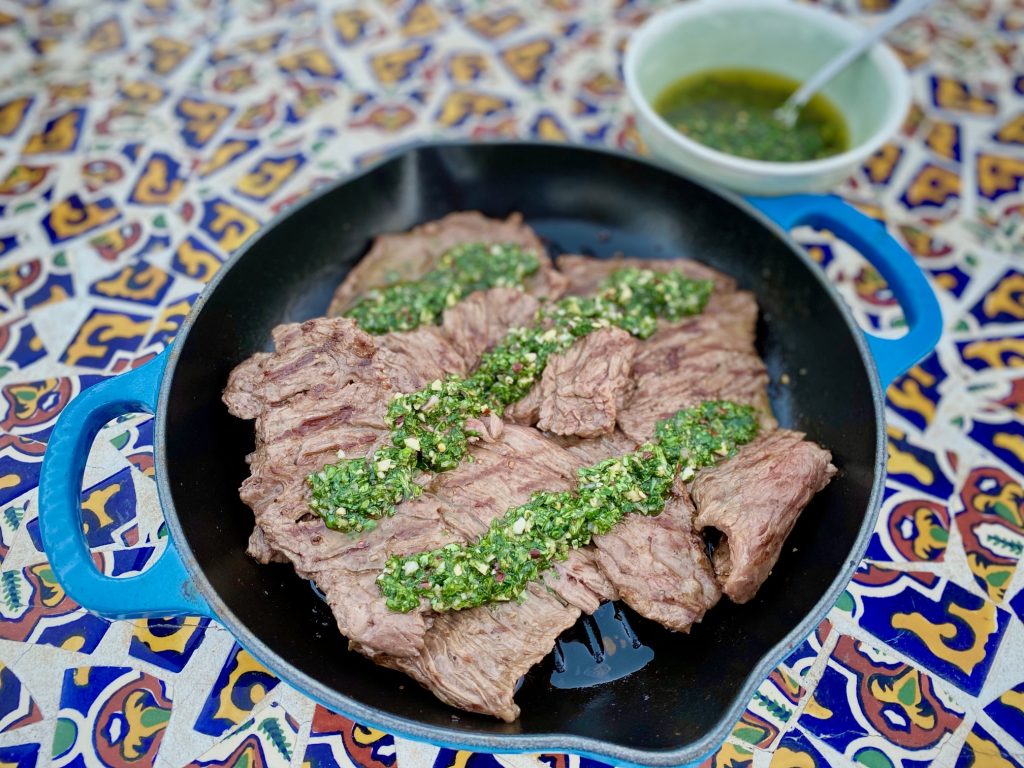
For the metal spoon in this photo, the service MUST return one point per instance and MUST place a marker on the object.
(790, 110)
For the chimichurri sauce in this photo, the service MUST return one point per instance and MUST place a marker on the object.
(529, 539)
(731, 110)
(428, 427)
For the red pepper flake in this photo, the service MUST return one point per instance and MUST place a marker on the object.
(517, 367)
(499, 576)
(534, 553)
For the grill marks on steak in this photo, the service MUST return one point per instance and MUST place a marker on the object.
(325, 389)
(708, 356)
(754, 499)
(412, 359)
(583, 388)
(410, 255)
(473, 658)
(505, 474)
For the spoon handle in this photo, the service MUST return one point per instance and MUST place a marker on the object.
(903, 11)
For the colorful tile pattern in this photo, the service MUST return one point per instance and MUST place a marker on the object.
(117, 715)
(142, 142)
(336, 742)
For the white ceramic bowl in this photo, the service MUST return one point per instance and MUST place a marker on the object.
(777, 36)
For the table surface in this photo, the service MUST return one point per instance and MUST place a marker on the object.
(142, 142)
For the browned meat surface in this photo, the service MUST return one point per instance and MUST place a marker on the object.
(581, 582)
(260, 551)
(526, 411)
(503, 474)
(409, 255)
(473, 659)
(456, 506)
(659, 564)
(585, 273)
(715, 374)
(400, 356)
(754, 499)
(727, 323)
(482, 319)
(593, 450)
(583, 388)
(319, 357)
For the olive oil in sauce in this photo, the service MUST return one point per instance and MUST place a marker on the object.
(730, 110)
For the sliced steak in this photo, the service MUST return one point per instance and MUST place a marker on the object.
(409, 255)
(410, 360)
(711, 375)
(659, 565)
(754, 499)
(484, 318)
(456, 506)
(322, 393)
(593, 450)
(311, 359)
(473, 659)
(728, 322)
(525, 412)
(505, 474)
(502, 474)
(585, 273)
(583, 388)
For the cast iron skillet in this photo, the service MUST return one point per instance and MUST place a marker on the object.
(680, 706)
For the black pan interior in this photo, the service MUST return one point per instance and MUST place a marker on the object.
(581, 202)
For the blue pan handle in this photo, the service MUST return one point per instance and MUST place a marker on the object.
(163, 590)
(909, 285)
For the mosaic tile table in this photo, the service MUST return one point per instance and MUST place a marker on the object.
(142, 142)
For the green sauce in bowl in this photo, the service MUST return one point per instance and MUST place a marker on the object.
(730, 110)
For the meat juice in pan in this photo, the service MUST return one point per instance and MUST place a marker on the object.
(600, 648)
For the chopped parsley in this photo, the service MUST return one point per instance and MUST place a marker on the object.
(429, 428)
(463, 269)
(529, 539)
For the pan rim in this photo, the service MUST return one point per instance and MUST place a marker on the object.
(512, 743)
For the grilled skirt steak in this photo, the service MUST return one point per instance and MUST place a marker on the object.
(323, 393)
(582, 389)
(584, 273)
(473, 659)
(754, 499)
(410, 255)
(659, 565)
